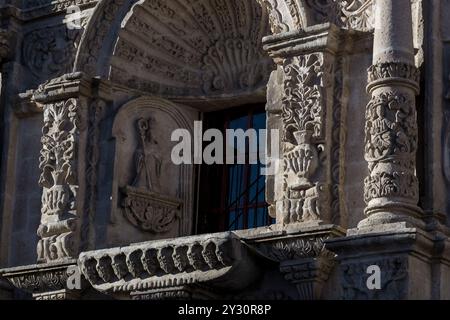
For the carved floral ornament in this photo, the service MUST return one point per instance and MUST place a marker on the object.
(303, 114)
(59, 180)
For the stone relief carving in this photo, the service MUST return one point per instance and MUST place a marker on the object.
(58, 164)
(5, 37)
(50, 51)
(294, 248)
(96, 114)
(339, 138)
(304, 114)
(391, 142)
(49, 282)
(144, 205)
(351, 14)
(169, 263)
(393, 281)
(152, 196)
(288, 15)
(38, 8)
(224, 54)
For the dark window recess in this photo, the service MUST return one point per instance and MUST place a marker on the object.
(232, 197)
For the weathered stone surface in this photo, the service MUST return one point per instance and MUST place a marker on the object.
(89, 103)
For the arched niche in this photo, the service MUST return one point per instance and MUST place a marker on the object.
(152, 198)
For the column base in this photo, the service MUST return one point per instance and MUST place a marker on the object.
(389, 213)
(391, 262)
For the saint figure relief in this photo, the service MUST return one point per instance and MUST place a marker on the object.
(148, 159)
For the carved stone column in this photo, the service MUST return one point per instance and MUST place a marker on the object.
(392, 244)
(392, 188)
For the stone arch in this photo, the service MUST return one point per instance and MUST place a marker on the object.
(178, 48)
(113, 16)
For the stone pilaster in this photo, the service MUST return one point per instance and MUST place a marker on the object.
(308, 111)
(306, 62)
(64, 102)
(392, 187)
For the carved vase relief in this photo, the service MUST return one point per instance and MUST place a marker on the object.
(152, 194)
(303, 114)
(58, 164)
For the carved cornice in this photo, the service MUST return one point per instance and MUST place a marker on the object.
(301, 243)
(40, 279)
(324, 37)
(212, 260)
(70, 85)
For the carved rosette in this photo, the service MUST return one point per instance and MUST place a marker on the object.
(391, 138)
(304, 110)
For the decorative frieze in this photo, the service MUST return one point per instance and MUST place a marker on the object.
(45, 282)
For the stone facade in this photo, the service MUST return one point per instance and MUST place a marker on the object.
(92, 207)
